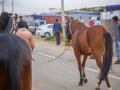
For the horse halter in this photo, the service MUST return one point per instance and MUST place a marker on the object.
(9, 26)
(72, 28)
(12, 28)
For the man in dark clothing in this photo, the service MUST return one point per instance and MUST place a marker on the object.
(21, 20)
(117, 37)
(57, 29)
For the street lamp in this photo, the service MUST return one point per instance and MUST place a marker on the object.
(63, 19)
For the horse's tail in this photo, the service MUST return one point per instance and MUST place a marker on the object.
(107, 58)
(14, 68)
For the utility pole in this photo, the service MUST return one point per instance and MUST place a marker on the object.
(12, 7)
(2, 2)
(3, 6)
(63, 19)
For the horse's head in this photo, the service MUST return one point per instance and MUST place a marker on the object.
(71, 26)
(6, 22)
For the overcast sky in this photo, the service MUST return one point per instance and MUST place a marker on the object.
(42, 6)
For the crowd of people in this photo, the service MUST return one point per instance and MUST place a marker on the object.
(92, 22)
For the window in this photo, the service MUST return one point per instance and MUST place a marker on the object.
(50, 26)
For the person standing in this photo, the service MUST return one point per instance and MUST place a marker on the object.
(91, 22)
(25, 35)
(116, 34)
(97, 22)
(21, 20)
(57, 29)
(83, 22)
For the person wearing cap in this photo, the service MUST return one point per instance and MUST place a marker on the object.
(116, 35)
(82, 21)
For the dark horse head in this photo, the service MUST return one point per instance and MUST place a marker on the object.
(15, 58)
(6, 22)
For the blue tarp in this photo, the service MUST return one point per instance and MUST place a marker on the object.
(37, 17)
(113, 7)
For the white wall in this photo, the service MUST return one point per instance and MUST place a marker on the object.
(109, 15)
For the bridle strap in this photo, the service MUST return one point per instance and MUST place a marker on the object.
(12, 28)
(70, 28)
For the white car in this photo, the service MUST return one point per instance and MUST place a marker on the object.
(45, 30)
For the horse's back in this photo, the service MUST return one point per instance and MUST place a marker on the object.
(15, 56)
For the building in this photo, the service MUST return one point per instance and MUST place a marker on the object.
(84, 15)
(48, 17)
(111, 10)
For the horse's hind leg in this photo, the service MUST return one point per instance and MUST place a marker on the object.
(80, 68)
(98, 57)
(98, 86)
(108, 84)
(83, 66)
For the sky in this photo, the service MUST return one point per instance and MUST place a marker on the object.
(42, 6)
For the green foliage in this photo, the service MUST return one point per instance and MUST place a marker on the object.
(50, 38)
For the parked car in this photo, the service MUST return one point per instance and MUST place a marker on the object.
(45, 30)
(33, 24)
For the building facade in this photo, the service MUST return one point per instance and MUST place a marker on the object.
(83, 15)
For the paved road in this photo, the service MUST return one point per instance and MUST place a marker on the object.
(63, 74)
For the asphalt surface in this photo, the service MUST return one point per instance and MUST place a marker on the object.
(62, 73)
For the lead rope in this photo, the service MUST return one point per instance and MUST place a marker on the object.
(65, 50)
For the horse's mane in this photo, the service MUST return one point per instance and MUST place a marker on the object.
(75, 24)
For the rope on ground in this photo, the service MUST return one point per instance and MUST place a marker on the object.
(65, 50)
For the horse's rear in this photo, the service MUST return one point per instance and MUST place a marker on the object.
(101, 42)
(15, 63)
(96, 39)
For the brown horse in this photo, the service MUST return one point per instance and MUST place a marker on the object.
(15, 59)
(96, 40)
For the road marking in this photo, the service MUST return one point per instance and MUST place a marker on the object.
(90, 69)
(115, 77)
(46, 55)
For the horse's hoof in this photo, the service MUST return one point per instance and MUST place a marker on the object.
(97, 88)
(80, 84)
(110, 88)
(85, 80)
